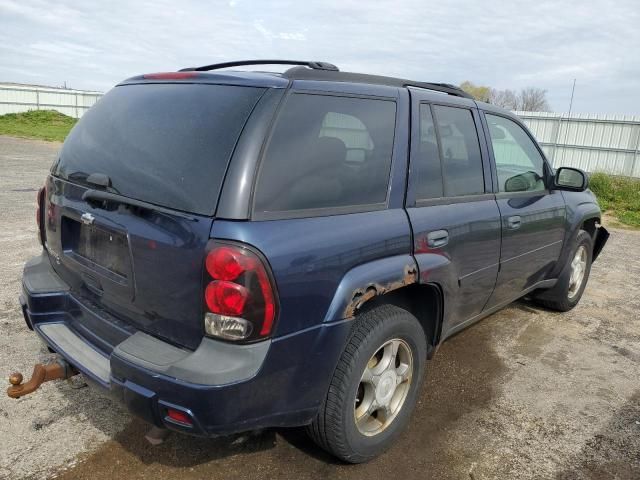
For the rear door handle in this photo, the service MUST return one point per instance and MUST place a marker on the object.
(438, 238)
(514, 222)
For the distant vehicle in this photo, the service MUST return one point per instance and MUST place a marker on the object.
(227, 251)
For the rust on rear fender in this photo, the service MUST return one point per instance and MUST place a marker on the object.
(362, 295)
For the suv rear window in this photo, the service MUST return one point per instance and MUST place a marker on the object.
(327, 152)
(167, 144)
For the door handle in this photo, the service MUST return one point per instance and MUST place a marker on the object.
(438, 238)
(514, 222)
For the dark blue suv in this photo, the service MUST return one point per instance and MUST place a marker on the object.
(227, 251)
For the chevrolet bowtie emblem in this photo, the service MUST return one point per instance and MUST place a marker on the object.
(87, 218)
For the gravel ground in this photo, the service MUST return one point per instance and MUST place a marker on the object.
(526, 393)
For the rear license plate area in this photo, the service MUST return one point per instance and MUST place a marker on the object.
(98, 246)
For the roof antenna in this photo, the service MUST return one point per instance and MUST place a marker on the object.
(573, 89)
(566, 129)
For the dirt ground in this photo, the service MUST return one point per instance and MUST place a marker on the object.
(524, 394)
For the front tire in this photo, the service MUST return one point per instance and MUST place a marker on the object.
(573, 279)
(375, 385)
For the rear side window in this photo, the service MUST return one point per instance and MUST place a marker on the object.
(461, 159)
(327, 152)
(167, 144)
(446, 160)
(428, 169)
(351, 131)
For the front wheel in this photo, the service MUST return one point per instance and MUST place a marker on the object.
(573, 279)
(375, 385)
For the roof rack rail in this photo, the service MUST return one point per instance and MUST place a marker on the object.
(440, 87)
(311, 64)
(299, 73)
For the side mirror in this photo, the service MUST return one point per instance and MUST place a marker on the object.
(572, 179)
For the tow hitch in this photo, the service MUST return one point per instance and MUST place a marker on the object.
(59, 369)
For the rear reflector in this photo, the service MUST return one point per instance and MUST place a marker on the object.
(179, 417)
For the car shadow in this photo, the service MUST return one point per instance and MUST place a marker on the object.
(461, 378)
(180, 451)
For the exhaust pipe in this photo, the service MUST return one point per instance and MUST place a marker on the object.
(59, 369)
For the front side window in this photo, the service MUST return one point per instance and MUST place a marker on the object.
(461, 159)
(327, 152)
(519, 164)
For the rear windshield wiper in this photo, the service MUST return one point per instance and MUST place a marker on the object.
(91, 196)
(93, 180)
(99, 180)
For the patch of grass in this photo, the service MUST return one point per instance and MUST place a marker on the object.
(42, 124)
(618, 195)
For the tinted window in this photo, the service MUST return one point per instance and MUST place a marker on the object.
(327, 151)
(426, 159)
(518, 162)
(351, 131)
(168, 144)
(461, 159)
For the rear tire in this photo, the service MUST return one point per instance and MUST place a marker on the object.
(375, 385)
(573, 279)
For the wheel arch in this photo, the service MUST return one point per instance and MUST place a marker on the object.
(590, 225)
(392, 280)
(584, 216)
(424, 301)
(369, 280)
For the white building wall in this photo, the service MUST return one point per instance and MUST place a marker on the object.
(22, 98)
(607, 143)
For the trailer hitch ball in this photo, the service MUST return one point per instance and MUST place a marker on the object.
(15, 379)
(41, 373)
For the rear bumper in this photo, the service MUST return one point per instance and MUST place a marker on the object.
(224, 388)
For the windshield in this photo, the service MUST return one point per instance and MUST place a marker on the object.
(167, 144)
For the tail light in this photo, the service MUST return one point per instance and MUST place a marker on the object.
(42, 193)
(239, 296)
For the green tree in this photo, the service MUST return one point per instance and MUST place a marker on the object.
(529, 99)
(479, 92)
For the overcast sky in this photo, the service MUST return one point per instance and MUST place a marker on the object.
(510, 44)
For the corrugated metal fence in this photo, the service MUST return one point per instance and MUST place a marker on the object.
(607, 143)
(21, 98)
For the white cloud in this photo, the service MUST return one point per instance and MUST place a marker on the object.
(506, 44)
(63, 48)
(270, 35)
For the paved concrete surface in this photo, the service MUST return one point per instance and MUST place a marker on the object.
(524, 394)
